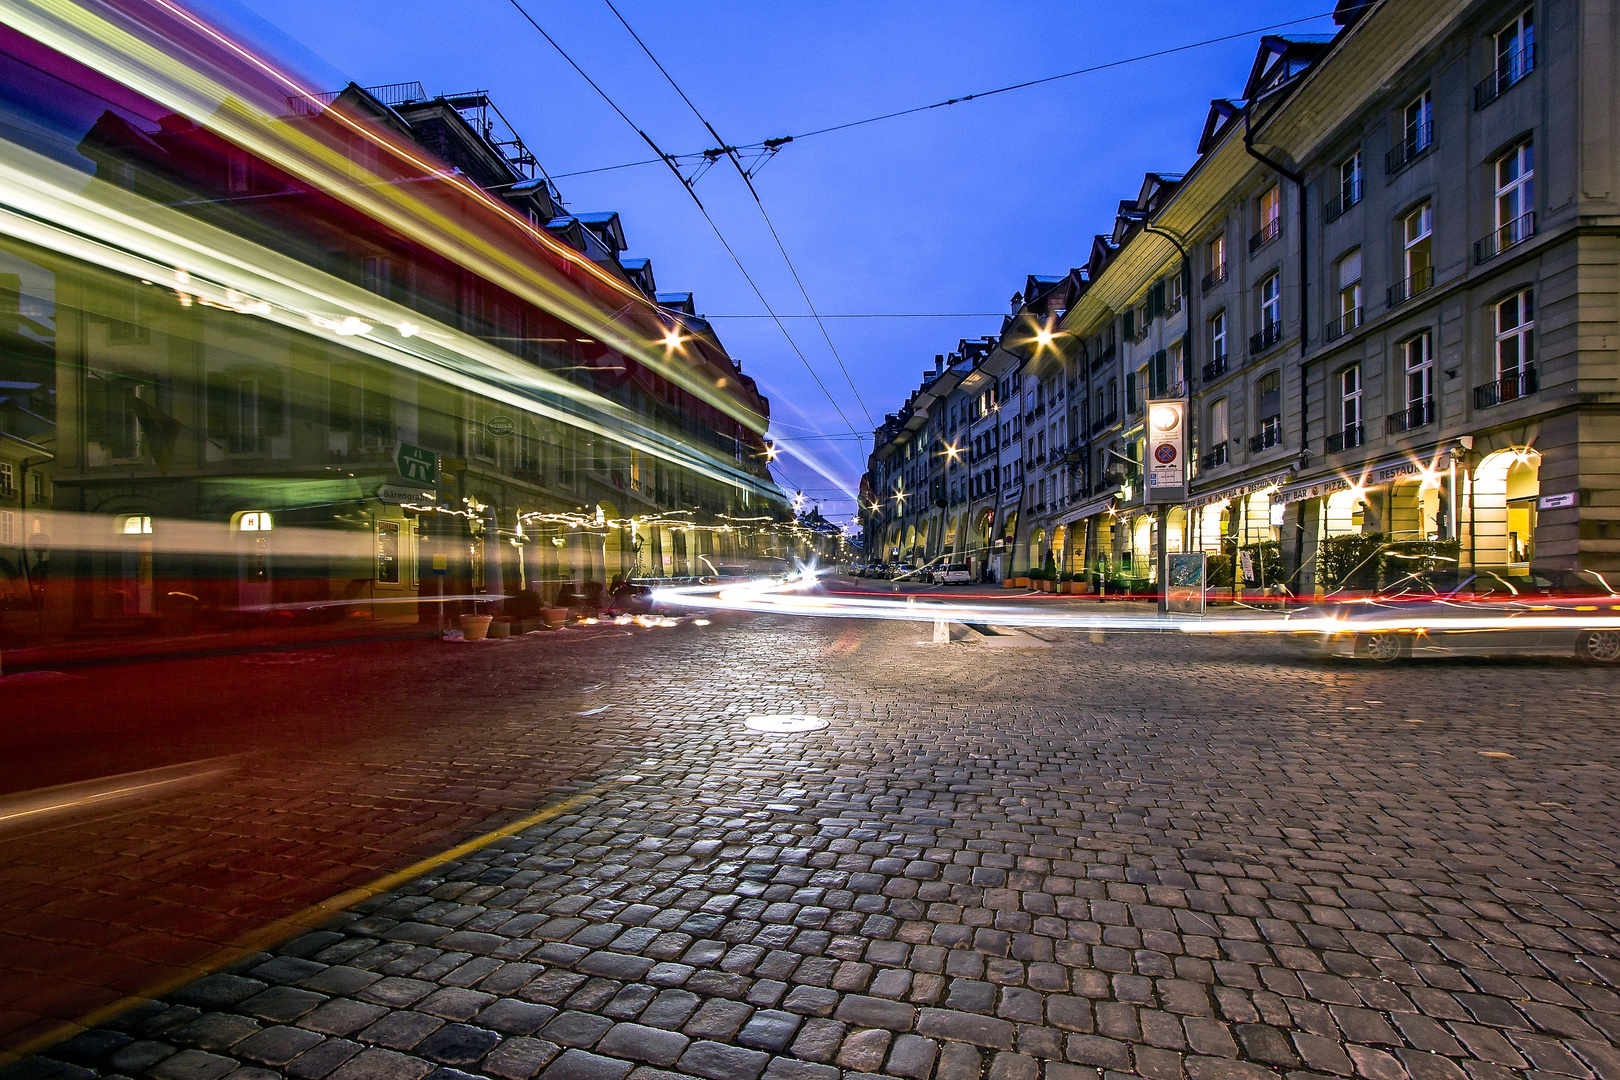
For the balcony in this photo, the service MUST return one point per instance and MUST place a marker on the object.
(1103, 358)
(1415, 415)
(1268, 232)
(1344, 440)
(1496, 83)
(1402, 291)
(1409, 149)
(1214, 277)
(1215, 368)
(1106, 422)
(1270, 436)
(1507, 388)
(1514, 232)
(1334, 208)
(1342, 325)
(1215, 458)
(1265, 339)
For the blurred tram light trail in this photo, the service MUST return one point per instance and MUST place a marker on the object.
(769, 597)
(29, 808)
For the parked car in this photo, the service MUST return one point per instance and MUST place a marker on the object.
(953, 574)
(1438, 612)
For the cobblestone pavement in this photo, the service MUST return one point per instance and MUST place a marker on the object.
(1147, 855)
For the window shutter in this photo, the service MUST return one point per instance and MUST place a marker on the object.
(1130, 391)
(1130, 323)
(95, 409)
(270, 404)
(218, 405)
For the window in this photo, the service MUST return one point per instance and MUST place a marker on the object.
(1113, 397)
(1217, 261)
(1417, 254)
(1269, 224)
(1419, 123)
(8, 482)
(1513, 178)
(1217, 336)
(1515, 318)
(1350, 399)
(1268, 391)
(1348, 274)
(1219, 422)
(1271, 303)
(1349, 183)
(237, 175)
(1173, 284)
(1416, 133)
(1515, 58)
(376, 274)
(1417, 359)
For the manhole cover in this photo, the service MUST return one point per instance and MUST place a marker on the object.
(784, 723)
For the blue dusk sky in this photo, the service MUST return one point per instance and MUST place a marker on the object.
(944, 211)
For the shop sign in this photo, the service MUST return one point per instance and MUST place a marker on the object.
(1383, 472)
(1240, 489)
(1167, 451)
(1313, 491)
(500, 426)
(1558, 502)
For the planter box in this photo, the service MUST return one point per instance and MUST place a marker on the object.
(500, 628)
(1009, 583)
(1020, 582)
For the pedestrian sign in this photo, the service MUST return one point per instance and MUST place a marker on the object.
(416, 464)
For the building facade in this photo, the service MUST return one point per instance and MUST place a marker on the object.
(1385, 290)
(336, 356)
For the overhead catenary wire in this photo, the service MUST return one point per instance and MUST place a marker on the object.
(704, 210)
(976, 96)
(731, 154)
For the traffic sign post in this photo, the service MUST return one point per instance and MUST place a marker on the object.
(416, 464)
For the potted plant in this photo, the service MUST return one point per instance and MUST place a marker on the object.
(475, 627)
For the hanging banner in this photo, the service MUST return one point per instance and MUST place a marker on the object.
(1167, 450)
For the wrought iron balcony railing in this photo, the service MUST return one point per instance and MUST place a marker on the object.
(1409, 149)
(1402, 291)
(1346, 439)
(1343, 324)
(1508, 72)
(1508, 388)
(1514, 232)
(1415, 415)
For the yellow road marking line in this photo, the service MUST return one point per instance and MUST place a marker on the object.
(283, 929)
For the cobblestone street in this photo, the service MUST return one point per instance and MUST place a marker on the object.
(1144, 855)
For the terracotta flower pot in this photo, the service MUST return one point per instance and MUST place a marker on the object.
(475, 627)
(554, 617)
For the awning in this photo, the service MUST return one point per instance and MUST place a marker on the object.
(1085, 510)
(1373, 474)
(1238, 489)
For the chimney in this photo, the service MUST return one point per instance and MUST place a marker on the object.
(939, 363)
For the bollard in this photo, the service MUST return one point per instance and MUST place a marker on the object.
(1098, 637)
(942, 632)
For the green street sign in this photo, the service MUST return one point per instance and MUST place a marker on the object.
(416, 464)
